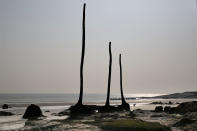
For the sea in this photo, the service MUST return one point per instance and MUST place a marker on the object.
(19, 100)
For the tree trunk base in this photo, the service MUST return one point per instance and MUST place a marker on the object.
(110, 109)
(81, 109)
(124, 107)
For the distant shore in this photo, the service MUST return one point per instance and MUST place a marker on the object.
(184, 95)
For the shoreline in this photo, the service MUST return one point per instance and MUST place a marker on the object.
(113, 102)
(143, 110)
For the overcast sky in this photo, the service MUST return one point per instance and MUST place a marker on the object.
(40, 45)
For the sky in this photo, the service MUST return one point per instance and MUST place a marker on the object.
(40, 45)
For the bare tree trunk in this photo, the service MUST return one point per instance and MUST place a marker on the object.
(109, 77)
(121, 90)
(82, 58)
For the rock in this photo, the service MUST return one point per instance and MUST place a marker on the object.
(187, 107)
(32, 112)
(4, 113)
(167, 109)
(5, 106)
(158, 109)
(173, 110)
(184, 122)
(170, 103)
(156, 102)
(182, 108)
(47, 111)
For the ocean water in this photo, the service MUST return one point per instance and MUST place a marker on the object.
(58, 99)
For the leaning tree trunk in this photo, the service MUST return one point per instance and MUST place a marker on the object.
(109, 77)
(121, 90)
(82, 59)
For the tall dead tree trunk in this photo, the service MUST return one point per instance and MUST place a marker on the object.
(82, 58)
(121, 90)
(109, 76)
(125, 105)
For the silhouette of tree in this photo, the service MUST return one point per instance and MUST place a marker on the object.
(79, 108)
(82, 58)
(125, 105)
(109, 76)
(121, 90)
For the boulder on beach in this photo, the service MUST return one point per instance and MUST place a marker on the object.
(170, 110)
(187, 107)
(159, 109)
(5, 106)
(32, 112)
(170, 103)
(4, 113)
(167, 109)
(173, 110)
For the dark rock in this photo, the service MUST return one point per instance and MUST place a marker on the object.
(167, 109)
(157, 102)
(170, 103)
(32, 112)
(173, 110)
(47, 111)
(187, 107)
(158, 109)
(5, 106)
(4, 113)
(184, 122)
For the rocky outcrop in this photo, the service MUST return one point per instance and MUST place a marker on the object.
(5, 106)
(158, 109)
(187, 107)
(183, 108)
(167, 109)
(32, 112)
(4, 113)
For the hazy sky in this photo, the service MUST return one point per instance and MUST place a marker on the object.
(40, 45)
